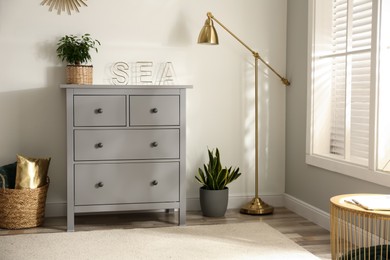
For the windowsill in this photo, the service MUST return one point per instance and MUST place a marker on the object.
(350, 170)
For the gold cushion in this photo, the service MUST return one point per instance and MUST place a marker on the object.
(31, 173)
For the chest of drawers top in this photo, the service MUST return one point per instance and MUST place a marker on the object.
(125, 90)
(124, 87)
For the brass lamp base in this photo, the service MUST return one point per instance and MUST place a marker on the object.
(257, 207)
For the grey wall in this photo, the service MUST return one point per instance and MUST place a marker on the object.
(310, 184)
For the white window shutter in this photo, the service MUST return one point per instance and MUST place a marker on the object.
(351, 37)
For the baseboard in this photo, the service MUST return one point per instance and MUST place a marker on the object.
(235, 202)
(307, 211)
(299, 207)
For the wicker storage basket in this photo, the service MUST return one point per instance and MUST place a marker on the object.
(22, 208)
(79, 74)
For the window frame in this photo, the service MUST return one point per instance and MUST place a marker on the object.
(366, 173)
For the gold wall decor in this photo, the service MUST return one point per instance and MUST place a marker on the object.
(64, 5)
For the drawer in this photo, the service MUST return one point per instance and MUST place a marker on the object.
(154, 110)
(100, 110)
(122, 144)
(126, 183)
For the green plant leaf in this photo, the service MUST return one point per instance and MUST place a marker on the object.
(201, 178)
(76, 50)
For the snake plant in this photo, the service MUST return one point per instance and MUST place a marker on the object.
(213, 176)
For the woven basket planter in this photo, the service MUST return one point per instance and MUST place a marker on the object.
(22, 208)
(79, 74)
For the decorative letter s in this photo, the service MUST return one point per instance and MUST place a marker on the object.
(120, 73)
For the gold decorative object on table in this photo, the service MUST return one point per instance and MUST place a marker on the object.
(208, 35)
(358, 233)
(64, 5)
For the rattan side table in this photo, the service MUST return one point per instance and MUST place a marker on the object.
(357, 233)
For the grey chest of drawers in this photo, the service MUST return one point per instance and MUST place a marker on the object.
(126, 149)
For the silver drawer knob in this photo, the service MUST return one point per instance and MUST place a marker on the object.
(154, 110)
(99, 145)
(99, 111)
(154, 183)
(99, 184)
(154, 144)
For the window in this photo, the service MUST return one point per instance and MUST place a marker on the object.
(349, 92)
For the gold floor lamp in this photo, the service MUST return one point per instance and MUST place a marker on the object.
(208, 35)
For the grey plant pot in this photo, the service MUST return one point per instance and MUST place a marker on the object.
(213, 202)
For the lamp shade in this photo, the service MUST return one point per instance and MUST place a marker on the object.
(208, 34)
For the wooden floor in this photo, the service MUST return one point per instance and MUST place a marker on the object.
(305, 233)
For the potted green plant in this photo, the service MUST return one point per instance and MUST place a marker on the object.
(75, 51)
(214, 194)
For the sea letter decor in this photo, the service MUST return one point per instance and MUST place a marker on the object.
(142, 73)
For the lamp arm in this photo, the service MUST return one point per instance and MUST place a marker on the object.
(255, 54)
(284, 80)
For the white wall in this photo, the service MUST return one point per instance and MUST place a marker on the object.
(220, 109)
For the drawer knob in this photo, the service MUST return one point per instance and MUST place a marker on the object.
(154, 183)
(99, 184)
(99, 145)
(99, 111)
(154, 144)
(154, 110)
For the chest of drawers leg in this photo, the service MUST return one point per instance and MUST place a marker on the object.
(125, 149)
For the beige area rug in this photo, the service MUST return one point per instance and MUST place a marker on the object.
(225, 241)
